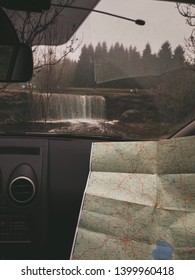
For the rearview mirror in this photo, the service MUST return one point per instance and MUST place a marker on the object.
(16, 63)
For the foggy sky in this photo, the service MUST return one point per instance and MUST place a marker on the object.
(163, 22)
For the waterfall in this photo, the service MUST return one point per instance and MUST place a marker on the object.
(64, 107)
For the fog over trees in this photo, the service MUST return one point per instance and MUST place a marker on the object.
(101, 63)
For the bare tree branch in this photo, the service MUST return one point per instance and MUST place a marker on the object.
(188, 12)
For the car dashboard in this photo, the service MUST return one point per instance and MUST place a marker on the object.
(41, 185)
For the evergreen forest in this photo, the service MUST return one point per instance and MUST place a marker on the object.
(100, 63)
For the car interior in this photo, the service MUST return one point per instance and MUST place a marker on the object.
(74, 74)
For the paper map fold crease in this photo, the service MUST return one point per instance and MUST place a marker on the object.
(139, 201)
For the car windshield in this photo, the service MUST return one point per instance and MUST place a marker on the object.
(114, 78)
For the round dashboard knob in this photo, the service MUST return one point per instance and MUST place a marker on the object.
(22, 189)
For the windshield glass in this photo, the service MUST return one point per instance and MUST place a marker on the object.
(113, 78)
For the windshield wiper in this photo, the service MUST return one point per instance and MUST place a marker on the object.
(136, 21)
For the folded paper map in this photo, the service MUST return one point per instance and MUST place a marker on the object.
(139, 202)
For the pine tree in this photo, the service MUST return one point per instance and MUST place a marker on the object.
(165, 57)
(148, 61)
(134, 62)
(84, 75)
(178, 57)
(101, 62)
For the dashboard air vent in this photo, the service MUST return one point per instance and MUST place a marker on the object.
(22, 189)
